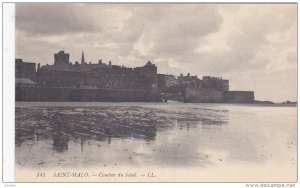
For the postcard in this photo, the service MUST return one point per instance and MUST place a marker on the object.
(154, 92)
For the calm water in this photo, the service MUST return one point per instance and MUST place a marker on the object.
(153, 134)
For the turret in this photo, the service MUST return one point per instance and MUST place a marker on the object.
(61, 58)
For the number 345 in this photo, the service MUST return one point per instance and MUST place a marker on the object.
(40, 174)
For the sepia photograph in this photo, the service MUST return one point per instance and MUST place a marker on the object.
(155, 92)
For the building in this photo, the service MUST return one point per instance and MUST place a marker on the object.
(61, 58)
(93, 76)
(108, 82)
(114, 77)
(189, 80)
(166, 81)
(215, 82)
(24, 69)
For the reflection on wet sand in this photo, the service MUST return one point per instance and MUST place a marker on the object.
(209, 139)
(105, 123)
(60, 142)
(154, 135)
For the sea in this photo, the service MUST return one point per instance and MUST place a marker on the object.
(220, 142)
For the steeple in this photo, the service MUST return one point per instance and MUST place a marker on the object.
(82, 58)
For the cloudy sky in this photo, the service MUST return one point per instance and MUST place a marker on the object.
(254, 46)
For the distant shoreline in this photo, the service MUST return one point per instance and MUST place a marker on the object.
(287, 103)
(85, 104)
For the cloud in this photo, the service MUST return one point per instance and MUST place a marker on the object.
(243, 40)
(52, 18)
(202, 39)
(177, 29)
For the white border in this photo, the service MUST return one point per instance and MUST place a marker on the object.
(9, 91)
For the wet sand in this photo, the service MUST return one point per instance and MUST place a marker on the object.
(217, 142)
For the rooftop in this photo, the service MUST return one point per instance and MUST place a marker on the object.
(24, 81)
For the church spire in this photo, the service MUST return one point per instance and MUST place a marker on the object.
(82, 58)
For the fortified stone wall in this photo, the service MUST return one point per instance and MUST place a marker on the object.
(202, 95)
(52, 94)
(104, 78)
(239, 96)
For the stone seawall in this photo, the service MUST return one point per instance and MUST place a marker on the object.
(210, 95)
(202, 95)
(239, 96)
(55, 94)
